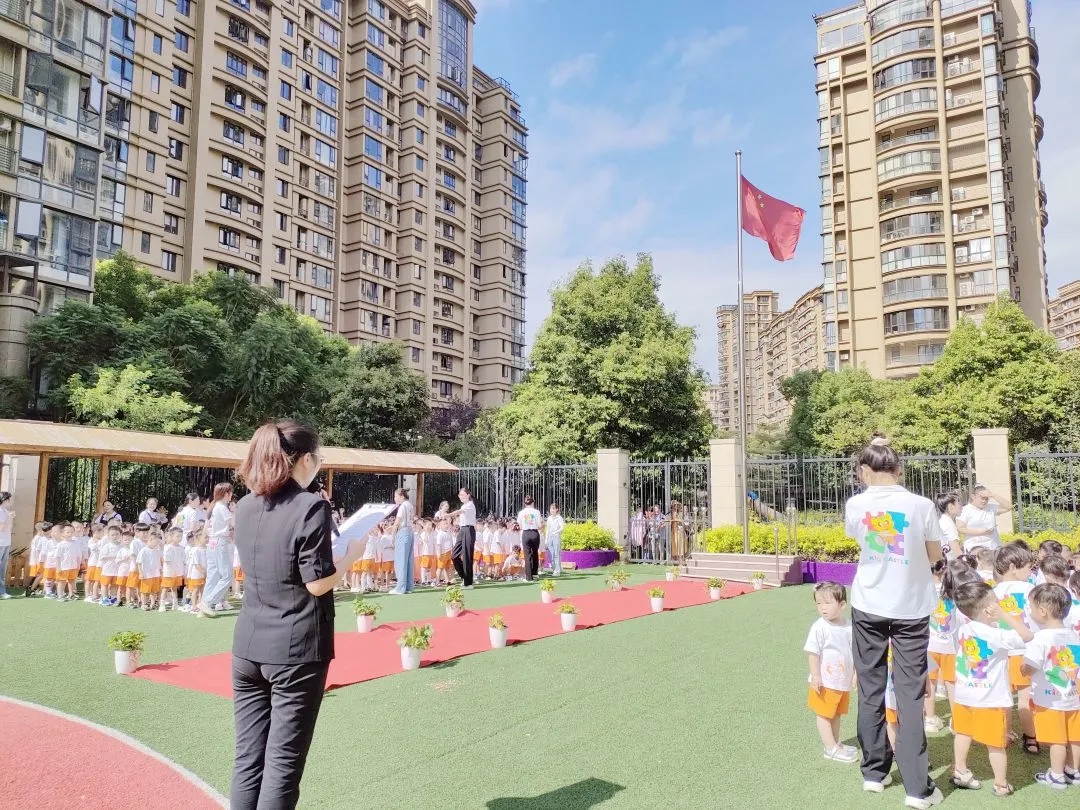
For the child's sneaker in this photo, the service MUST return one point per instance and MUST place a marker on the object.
(933, 800)
(877, 787)
(932, 725)
(1072, 776)
(161, 609)
(1055, 781)
(841, 754)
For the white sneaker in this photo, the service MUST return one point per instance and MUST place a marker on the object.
(933, 800)
(932, 725)
(842, 754)
(877, 787)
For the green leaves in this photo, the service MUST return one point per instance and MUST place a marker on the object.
(124, 399)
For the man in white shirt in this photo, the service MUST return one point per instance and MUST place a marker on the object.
(529, 519)
(466, 541)
(977, 522)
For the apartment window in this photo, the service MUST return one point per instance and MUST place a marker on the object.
(916, 39)
(282, 188)
(284, 122)
(418, 243)
(232, 167)
(282, 221)
(903, 258)
(229, 238)
(231, 202)
(326, 93)
(373, 148)
(176, 149)
(421, 164)
(144, 242)
(921, 319)
(416, 356)
(172, 186)
(148, 202)
(288, 27)
(327, 62)
(325, 153)
(421, 110)
(261, 41)
(450, 128)
(172, 224)
(421, 83)
(182, 41)
(283, 155)
(906, 102)
(449, 180)
(183, 7)
(419, 191)
(152, 121)
(234, 98)
(155, 83)
(233, 133)
(279, 288)
(326, 123)
(420, 136)
(286, 58)
(179, 113)
(179, 76)
(156, 46)
(151, 162)
(286, 90)
(169, 261)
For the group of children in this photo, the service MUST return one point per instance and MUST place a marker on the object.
(138, 566)
(1005, 634)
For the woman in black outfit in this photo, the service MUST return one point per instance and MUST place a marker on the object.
(284, 638)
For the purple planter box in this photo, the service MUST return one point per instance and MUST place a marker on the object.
(590, 559)
(843, 573)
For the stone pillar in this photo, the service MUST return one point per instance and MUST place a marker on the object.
(993, 467)
(613, 492)
(17, 312)
(20, 478)
(728, 493)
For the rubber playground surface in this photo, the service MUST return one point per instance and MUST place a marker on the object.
(700, 707)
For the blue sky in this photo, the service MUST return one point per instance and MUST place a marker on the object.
(635, 110)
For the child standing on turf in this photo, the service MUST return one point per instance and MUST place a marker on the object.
(1051, 661)
(107, 552)
(51, 547)
(173, 561)
(942, 649)
(1012, 567)
(126, 574)
(832, 668)
(149, 565)
(37, 556)
(93, 567)
(983, 694)
(427, 553)
(444, 545)
(68, 560)
(195, 571)
(386, 557)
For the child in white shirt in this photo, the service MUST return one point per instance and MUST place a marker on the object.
(1051, 660)
(173, 561)
(386, 558)
(553, 531)
(832, 668)
(985, 559)
(369, 561)
(1012, 567)
(195, 572)
(37, 556)
(983, 693)
(513, 566)
(444, 543)
(107, 552)
(149, 566)
(126, 573)
(51, 548)
(93, 568)
(68, 560)
(427, 554)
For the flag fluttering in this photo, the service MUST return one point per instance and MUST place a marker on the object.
(775, 221)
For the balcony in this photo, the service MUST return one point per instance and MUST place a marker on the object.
(7, 83)
(966, 289)
(921, 167)
(1039, 127)
(920, 356)
(961, 100)
(908, 201)
(923, 294)
(970, 224)
(8, 161)
(940, 324)
(14, 10)
(960, 67)
(929, 105)
(915, 137)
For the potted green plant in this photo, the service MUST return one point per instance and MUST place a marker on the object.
(547, 591)
(618, 578)
(453, 601)
(757, 579)
(497, 630)
(413, 642)
(715, 585)
(656, 599)
(365, 614)
(126, 646)
(568, 616)
(672, 573)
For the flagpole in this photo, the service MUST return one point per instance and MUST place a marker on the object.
(741, 360)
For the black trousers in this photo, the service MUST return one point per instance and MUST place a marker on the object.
(870, 646)
(274, 708)
(530, 539)
(463, 553)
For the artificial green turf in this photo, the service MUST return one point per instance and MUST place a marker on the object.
(696, 708)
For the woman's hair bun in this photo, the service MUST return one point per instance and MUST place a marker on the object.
(879, 440)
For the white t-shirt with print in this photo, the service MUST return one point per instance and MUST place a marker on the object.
(982, 665)
(1013, 598)
(943, 627)
(1054, 654)
(529, 519)
(832, 644)
(975, 518)
(1072, 621)
(892, 527)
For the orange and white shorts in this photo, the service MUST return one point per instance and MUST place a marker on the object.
(1054, 727)
(130, 581)
(445, 560)
(238, 574)
(1017, 679)
(35, 570)
(93, 573)
(828, 703)
(150, 586)
(67, 576)
(989, 727)
(172, 582)
(946, 666)
(50, 573)
(427, 561)
(192, 583)
(368, 566)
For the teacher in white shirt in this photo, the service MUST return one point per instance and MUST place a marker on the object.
(529, 519)
(977, 522)
(466, 540)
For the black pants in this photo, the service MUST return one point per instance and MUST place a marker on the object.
(530, 539)
(274, 708)
(463, 553)
(870, 646)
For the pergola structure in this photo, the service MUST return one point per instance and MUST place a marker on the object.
(51, 439)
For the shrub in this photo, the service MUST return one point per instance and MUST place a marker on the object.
(715, 582)
(587, 537)
(618, 576)
(823, 543)
(127, 641)
(418, 637)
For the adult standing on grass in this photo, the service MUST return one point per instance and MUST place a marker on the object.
(529, 519)
(284, 638)
(219, 563)
(977, 522)
(553, 530)
(7, 517)
(403, 543)
(892, 598)
(466, 539)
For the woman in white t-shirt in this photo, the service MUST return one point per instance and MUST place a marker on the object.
(977, 522)
(948, 506)
(892, 597)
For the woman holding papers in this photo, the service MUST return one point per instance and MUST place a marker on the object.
(284, 637)
(403, 543)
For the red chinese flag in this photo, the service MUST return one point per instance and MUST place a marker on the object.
(777, 222)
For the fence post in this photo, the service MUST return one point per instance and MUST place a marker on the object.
(728, 493)
(613, 492)
(992, 468)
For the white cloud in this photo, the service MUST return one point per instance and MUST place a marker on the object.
(700, 49)
(579, 69)
(589, 130)
(710, 128)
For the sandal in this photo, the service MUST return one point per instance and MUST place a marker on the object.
(1002, 791)
(1031, 745)
(966, 780)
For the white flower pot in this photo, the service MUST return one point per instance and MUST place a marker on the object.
(127, 661)
(569, 621)
(410, 658)
(498, 637)
(670, 577)
(365, 624)
(547, 597)
(757, 583)
(714, 594)
(616, 586)
(657, 603)
(453, 611)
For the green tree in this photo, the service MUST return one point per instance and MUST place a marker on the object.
(124, 399)
(766, 441)
(125, 286)
(799, 438)
(610, 368)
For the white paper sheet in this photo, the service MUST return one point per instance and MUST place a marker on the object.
(358, 524)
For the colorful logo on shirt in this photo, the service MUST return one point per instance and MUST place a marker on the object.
(885, 532)
(1062, 665)
(1013, 605)
(941, 619)
(973, 658)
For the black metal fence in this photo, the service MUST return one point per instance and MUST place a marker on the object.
(499, 491)
(353, 490)
(1046, 490)
(669, 505)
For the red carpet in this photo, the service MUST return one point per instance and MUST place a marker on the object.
(366, 656)
(49, 761)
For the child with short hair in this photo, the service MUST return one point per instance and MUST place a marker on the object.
(36, 559)
(1047, 548)
(444, 545)
(1050, 660)
(93, 567)
(149, 567)
(942, 650)
(68, 560)
(983, 692)
(386, 557)
(984, 558)
(195, 572)
(514, 565)
(1012, 567)
(369, 562)
(238, 575)
(498, 550)
(107, 553)
(51, 548)
(426, 553)
(832, 668)
(173, 561)
(127, 576)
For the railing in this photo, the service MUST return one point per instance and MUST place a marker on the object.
(930, 105)
(978, 224)
(973, 258)
(499, 491)
(911, 168)
(932, 325)
(915, 358)
(914, 137)
(7, 84)
(14, 10)
(960, 68)
(968, 290)
(8, 161)
(915, 295)
(1047, 490)
(910, 200)
(961, 100)
(669, 506)
(907, 233)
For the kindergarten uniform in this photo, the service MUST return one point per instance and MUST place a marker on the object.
(427, 551)
(386, 553)
(149, 568)
(1054, 655)
(51, 549)
(983, 694)
(37, 555)
(444, 543)
(172, 567)
(498, 550)
(195, 567)
(1072, 621)
(68, 559)
(93, 560)
(1013, 597)
(832, 644)
(369, 560)
(238, 572)
(942, 646)
(107, 557)
(127, 574)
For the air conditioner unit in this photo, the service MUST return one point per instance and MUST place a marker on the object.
(976, 212)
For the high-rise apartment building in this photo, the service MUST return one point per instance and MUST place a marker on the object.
(713, 397)
(349, 156)
(1065, 316)
(931, 198)
(779, 344)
